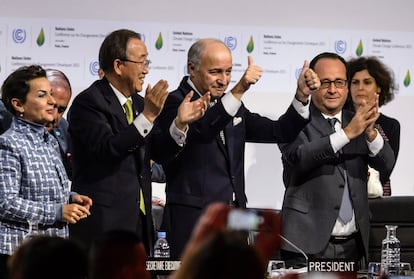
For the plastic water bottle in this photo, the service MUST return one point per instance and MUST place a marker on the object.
(161, 247)
(390, 252)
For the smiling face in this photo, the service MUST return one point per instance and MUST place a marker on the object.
(214, 70)
(39, 105)
(363, 87)
(132, 74)
(330, 100)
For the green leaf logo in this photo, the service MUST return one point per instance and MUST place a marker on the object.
(250, 45)
(407, 79)
(41, 37)
(359, 49)
(158, 42)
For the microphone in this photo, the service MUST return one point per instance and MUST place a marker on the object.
(297, 249)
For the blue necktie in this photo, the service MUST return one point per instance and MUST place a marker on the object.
(345, 211)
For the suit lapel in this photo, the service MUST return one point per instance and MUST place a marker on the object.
(223, 147)
(113, 102)
(346, 118)
(319, 123)
(233, 135)
(322, 126)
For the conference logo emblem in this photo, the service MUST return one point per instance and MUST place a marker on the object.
(159, 42)
(94, 68)
(360, 49)
(231, 42)
(297, 73)
(19, 36)
(142, 35)
(407, 79)
(340, 46)
(250, 45)
(40, 38)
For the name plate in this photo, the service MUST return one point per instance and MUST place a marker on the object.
(332, 265)
(162, 266)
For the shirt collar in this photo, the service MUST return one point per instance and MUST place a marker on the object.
(191, 83)
(338, 116)
(121, 98)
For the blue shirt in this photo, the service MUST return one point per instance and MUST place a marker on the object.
(33, 184)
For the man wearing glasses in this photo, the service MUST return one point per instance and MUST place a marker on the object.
(325, 209)
(112, 130)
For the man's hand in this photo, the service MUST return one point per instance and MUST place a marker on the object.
(308, 81)
(252, 75)
(190, 111)
(370, 131)
(363, 121)
(154, 99)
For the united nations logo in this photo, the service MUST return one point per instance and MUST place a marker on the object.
(142, 35)
(94, 67)
(340, 46)
(297, 73)
(19, 36)
(231, 42)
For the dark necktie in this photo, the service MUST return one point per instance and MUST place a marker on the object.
(221, 133)
(386, 186)
(130, 118)
(345, 211)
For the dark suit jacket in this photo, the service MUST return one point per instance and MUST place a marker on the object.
(391, 128)
(61, 134)
(5, 118)
(314, 183)
(208, 171)
(111, 163)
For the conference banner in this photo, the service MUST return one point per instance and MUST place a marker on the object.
(72, 45)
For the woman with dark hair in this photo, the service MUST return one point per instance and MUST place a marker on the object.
(369, 77)
(34, 188)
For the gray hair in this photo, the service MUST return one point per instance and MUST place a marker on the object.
(196, 51)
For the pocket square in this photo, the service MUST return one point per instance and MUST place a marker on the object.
(236, 121)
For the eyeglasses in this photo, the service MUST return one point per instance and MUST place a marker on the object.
(339, 83)
(60, 109)
(144, 63)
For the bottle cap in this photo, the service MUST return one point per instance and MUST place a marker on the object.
(161, 234)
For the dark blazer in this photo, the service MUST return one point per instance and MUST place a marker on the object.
(5, 118)
(391, 128)
(61, 134)
(314, 183)
(209, 171)
(111, 163)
